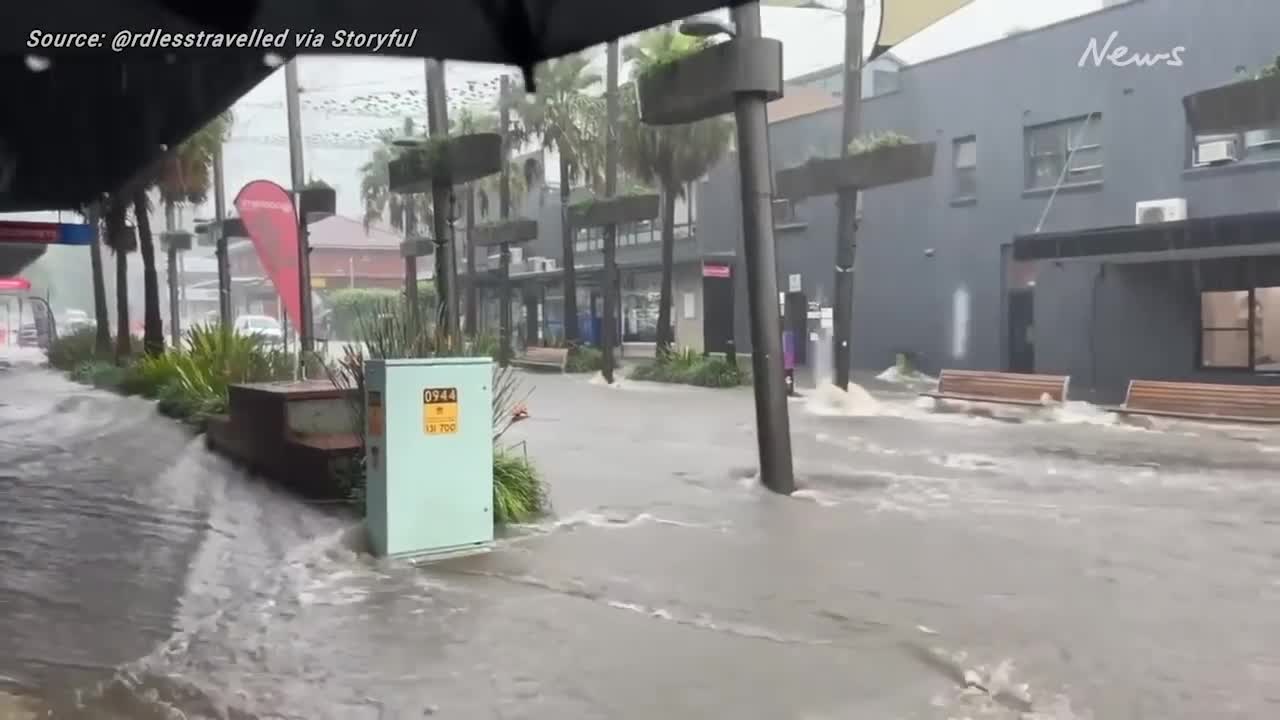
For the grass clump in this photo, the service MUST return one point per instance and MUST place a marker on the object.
(689, 367)
(584, 359)
(518, 493)
(69, 352)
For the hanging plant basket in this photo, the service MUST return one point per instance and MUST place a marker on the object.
(417, 247)
(1244, 105)
(883, 165)
(506, 232)
(619, 210)
(178, 240)
(452, 161)
(318, 203)
(706, 83)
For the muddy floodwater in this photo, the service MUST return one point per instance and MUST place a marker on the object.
(1050, 565)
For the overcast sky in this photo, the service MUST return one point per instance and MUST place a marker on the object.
(348, 99)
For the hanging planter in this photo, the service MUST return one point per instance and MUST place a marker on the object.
(177, 241)
(1244, 105)
(318, 202)
(873, 162)
(506, 232)
(452, 161)
(417, 247)
(618, 210)
(706, 83)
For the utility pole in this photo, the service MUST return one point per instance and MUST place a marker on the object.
(504, 214)
(608, 339)
(441, 202)
(306, 341)
(473, 298)
(410, 258)
(847, 200)
(772, 422)
(220, 242)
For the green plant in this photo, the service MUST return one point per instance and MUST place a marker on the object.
(99, 373)
(584, 359)
(69, 352)
(518, 493)
(876, 140)
(688, 367)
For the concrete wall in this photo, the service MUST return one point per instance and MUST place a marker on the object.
(905, 300)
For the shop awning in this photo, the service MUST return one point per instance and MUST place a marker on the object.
(1250, 234)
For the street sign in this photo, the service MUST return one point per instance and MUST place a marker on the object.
(44, 233)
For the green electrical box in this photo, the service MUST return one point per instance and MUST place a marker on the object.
(429, 456)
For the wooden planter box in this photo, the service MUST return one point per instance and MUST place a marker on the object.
(618, 210)
(318, 203)
(706, 83)
(454, 161)
(507, 232)
(886, 165)
(1245, 105)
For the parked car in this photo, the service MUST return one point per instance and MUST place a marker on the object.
(264, 326)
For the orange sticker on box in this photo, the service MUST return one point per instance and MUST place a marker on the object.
(440, 411)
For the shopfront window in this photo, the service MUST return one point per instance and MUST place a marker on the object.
(640, 303)
(1240, 329)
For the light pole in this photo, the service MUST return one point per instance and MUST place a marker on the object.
(293, 110)
(609, 336)
(442, 201)
(772, 420)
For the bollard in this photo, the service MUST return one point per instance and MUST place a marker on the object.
(789, 361)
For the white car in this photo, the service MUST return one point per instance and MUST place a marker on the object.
(265, 327)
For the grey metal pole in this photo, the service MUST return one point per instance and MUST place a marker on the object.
(411, 260)
(773, 426)
(171, 278)
(608, 339)
(504, 212)
(298, 176)
(446, 265)
(220, 241)
(473, 293)
(847, 200)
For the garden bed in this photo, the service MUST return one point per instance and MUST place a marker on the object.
(707, 83)
(619, 210)
(455, 160)
(692, 368)
(885, 164)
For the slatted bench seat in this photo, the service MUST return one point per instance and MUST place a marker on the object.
(1202, 401)
(999, 387)
(543, 358)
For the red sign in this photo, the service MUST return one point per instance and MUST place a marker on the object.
(268, 215)
(716, 271)
(11, 284)
(29, 232)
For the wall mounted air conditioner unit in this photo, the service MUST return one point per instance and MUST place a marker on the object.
(1216, 152)
(517, 255)
(1161, 211)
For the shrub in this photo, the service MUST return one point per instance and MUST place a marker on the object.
(688, 367)
(584, 359)
(69, 352)
(99, 373)
(876, 140)
(518, 492)
(388, 334)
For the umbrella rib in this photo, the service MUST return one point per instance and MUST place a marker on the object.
(515, 29)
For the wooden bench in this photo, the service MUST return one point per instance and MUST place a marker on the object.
(999, 387)
(1202, 401)
(543, 358)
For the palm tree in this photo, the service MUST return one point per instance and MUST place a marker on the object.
(119, 240)
(564, 117)
(183, 176)
(375, 184)
(101, 315)
(670, 156)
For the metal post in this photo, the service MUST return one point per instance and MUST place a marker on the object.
(306, 342)
(772, 422)
(410, 260)
(847, 200)
(446, 266)
(171, 278)
(472, 291)
(504, 212)
(219, 217)
(608, 339)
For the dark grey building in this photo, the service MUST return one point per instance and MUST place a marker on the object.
(1057, 142)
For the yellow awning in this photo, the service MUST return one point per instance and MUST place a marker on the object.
(888, 22)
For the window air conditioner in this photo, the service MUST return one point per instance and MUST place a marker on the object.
(1215, 152)
(1161, 211)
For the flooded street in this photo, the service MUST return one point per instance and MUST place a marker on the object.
(934, 566)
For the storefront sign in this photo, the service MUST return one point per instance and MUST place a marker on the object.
(716, 271)
(43, 233)
(440, 411)
(14, 284)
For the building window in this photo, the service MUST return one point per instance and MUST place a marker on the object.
(1064, 153)
(1240, 329)
(964, 152)
(1226, 148)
